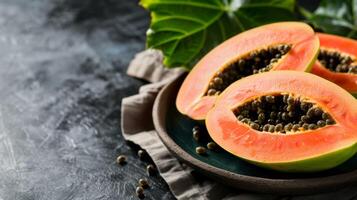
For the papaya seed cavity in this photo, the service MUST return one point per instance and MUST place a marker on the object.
(337, 62)
(282, 113)
(257, 61)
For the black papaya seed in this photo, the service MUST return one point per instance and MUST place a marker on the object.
(200, 150)
(143, 183)
(266, 127)
(151, 170)
(211, 145)
(142, 154)
(140, 192)
(121, 159)
(196, 135)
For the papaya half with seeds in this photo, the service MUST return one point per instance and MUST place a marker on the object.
(337, 61)
(287, 121)
(278, 46)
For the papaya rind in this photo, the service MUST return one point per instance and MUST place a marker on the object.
(312, 62)
(320, 163)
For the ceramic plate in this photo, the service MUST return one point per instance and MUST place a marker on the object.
(175, 130)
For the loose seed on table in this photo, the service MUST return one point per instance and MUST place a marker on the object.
(200, 150)
(211, 146)
(141, 154)
(143, 183)
(195, 128)
(121, 159)
(140, 192)
(151, 170)
(196, 135)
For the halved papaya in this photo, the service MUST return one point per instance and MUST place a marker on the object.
(286, 120)
(337, 61)
(278, 46)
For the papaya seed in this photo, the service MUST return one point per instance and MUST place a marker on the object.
(254, 125)
(261, 117)
(291, 114)
(290, 108)
(140, 192)
(288, 127)
(305, 126)
(211, 146)
(151, 170)
(266, 127)
(273, 115)
(195, 128)
(284, 116)
(142, 154)
(318, 112)
(246, 120)
(196, 135)
(271, 128)
(325, 116)
(329, 121)
(270, 121)
(143, 183)
(295, 127)
(312, 126)
(278, 127)
(121, 159)
(304, 118)
(211, 92)
(218, 81)
(201, 150)
(321, 123)
(290, 100)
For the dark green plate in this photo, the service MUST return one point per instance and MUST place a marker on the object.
(175, 130)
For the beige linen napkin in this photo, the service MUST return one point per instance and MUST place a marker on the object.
(137, 126)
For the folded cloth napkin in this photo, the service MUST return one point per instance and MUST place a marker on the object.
(137, 126)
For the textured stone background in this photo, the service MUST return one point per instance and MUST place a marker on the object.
(62, 77)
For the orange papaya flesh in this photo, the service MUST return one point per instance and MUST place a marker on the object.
(300, 42)
(303, 151)
(342, 47)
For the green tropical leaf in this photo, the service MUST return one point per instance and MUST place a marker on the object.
(336, 17)
(185, 30)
